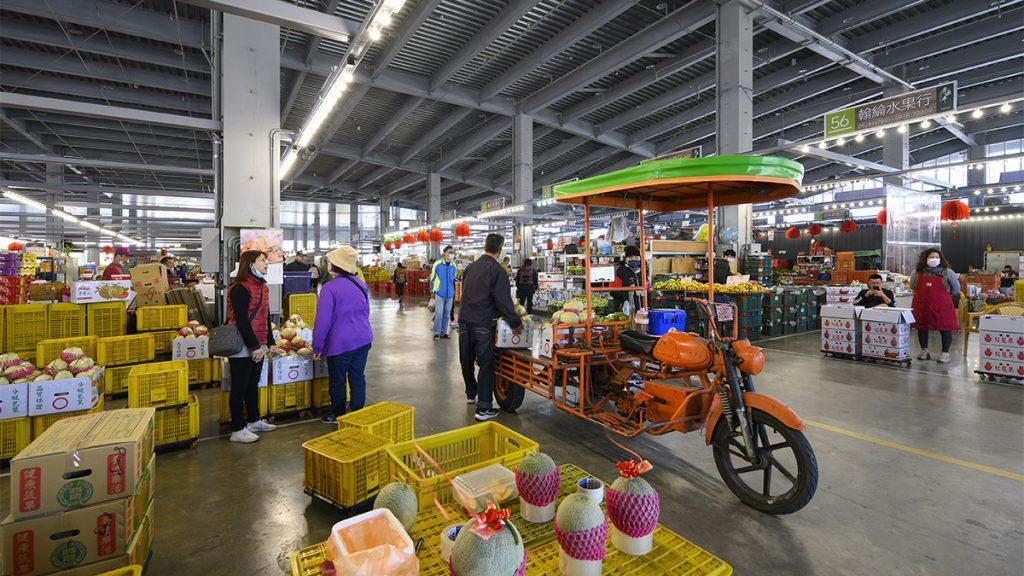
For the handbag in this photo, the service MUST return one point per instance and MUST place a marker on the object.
(226, 340)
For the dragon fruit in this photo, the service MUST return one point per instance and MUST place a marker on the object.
(63, 375)
(55, 366)
(81, 365)
(9, 359)
(69, 355)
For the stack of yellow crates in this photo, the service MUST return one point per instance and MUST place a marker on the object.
(106, 319)
(164, 386)
(25, 327)
(163, 322)
(119, 354)
(48, 351)
(65, 320)
(54, 518)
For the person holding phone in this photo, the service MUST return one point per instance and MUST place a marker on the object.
(874, 295)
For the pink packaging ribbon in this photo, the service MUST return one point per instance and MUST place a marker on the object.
(583, 545)
(634, 515)
(538, 489)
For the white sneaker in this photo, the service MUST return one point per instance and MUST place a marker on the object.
(924, 355)
(944, 359)
(260, 426)
(243, 435)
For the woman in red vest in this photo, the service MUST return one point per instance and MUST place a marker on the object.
(249, 309)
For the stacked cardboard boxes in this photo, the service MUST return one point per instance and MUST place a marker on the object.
(840, 294)
(885, 333)
(96, 519)
(1001, 350)
(840, 329)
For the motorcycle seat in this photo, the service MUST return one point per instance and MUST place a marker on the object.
(637, 342)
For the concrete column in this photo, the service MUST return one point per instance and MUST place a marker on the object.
(735, 100)
(385, 216)
(522, 158)
(316, 227)
(353, 223)
(976, 177)
(305, 226)
(433, 197)
(332, 223)
(895, 146)
(54, 225)
(92, 252)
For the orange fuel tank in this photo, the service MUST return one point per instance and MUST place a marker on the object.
(683, 350)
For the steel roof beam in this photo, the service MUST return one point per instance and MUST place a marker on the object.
(48, 121)
(504, 152)
(286, 15)
(339, 171)
(20, 127)
(591, 20)
(979, 55)
(481, 136)
(82, 146)
(435, 133)
(934, 44)
(51, 159)
(417, 15)
(85, 89)
(311, 47)
(103, 111)
(338, 116)
(375, 175)
(59, 133)
(863, 13)
(410, 106)
(924, 23)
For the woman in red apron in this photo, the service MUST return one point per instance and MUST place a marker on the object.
(934, 284)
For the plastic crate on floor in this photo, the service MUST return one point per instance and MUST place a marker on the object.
(217, 373)
(115, 379)
(158, 384)
(178, 424)
(49, 350)
(41, 423)
(121, 350)
(15, 435)
(65, 320)
(134, 570)
(346, 467)
(321, 393)
(200, 371)
(290, 398)
(170, 317)
(163, 341)
(225, 405)
(456, 451)
(104, 319)
(391, 420)
(26, 327)
(304, 305)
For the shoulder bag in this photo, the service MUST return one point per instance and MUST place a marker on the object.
(226, 340)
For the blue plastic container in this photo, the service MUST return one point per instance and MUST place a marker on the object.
(296, 283)
(664, 319)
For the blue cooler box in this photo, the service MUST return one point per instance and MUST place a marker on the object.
(662, 320)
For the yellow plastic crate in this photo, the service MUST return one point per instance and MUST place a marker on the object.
(218, 369)
(162, 341)
(225, 406)
(304, 305)
(171, 317)
(200, 371)
(121, 350)
(49, 350)
(115, 379)
(26, 328)
(105, 319)
(65, 320)
(177, 424)
(290, 398)
(321, 393)
(346, 467)
(15, 435)
(391, 420)
(158, 384)
(41, 423)
(456, 452)
(134, 570)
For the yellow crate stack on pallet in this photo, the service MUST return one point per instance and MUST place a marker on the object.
(66, 321)
(105, 319)
(25, 328)
(119, 355)
(304, 305)
(163, 322)
(164, 386)
(291, 398)
(49, 350)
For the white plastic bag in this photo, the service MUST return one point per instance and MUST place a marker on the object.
(431, 305)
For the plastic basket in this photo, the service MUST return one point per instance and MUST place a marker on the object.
(163, 341)
(177, 424)
(296, 283)
(171, 317)
(26, 327)
(391, 420)
(225, 405)
(105, 319)
(158, 384)
(307, 561)
(322, 393)
(456, 451)
(346, 467)
(15, 435)
(200, 371)
(289, 398)
(304, 305)
(217, 369)
(49, 350)
(41, 423)
(121, 350)
(65, 321)
(115, 379)
(133, 570)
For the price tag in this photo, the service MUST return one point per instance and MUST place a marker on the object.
(724, 312)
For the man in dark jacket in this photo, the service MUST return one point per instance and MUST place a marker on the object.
(526, 285)
(298, 264)
(627, 274)
(486, 295)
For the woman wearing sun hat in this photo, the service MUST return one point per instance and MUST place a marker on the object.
(342, 332)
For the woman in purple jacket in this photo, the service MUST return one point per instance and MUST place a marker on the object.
(342, 332)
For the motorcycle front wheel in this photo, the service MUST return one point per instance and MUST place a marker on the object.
(783, 475)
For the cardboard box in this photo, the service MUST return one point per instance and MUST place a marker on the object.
(684, 265)
(841, 347)
(678, 246)
(507, 339)
(225, 379)
(885, 352)
(1006, 330)
(885, 328)
(150, 282)
(13, 401)
(1002, 367)
(882, 339)
(110, 451)
(291, 368)
(65, 395)
(887, 315)
(661, 265)
(84, 292)
(990, 352)
(190, 349)
(136, 554)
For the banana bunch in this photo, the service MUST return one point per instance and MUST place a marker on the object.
(680, 285)
(576, 270)
(741, 288)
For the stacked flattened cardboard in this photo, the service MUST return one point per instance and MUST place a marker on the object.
(81, 497)
(1001, 350)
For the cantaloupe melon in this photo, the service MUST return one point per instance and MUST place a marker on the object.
(401, 500)
(499, 555)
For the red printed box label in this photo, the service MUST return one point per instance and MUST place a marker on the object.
(24, 552)
(106, 534)
(29, 490)
(116, 463)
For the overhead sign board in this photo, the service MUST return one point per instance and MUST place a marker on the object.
(916, 105)
(831, 215)
(492, 205)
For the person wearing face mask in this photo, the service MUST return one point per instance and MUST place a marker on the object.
(248, 308)
(723, 266)
(442, 287)
(627, 274)
(936, 287)
(874, 295)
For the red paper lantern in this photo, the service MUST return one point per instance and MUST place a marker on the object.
(758, 234)
(108, 249)
(814, 229)
(15, 247)
(408, 238)
(387, 245)
(397, 243)
(462, 230)
(882, 218)
(955, 210)
(551, 244)
(848, 226)
(793, 233)
(436, 236)
(423, 236)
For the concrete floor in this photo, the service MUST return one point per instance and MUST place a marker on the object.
(230, 509)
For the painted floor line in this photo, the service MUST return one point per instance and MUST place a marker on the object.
(918, 451)
(880, 365)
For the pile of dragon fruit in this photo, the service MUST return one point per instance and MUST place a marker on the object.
(73, 363)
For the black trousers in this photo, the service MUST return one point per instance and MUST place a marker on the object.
(526, 299)
(245, 391)
(946, 335)
(400, 290)
(476, 343)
